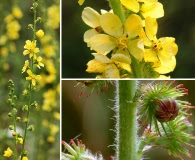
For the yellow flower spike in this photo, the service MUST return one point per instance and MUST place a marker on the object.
(31, 48)
(26, 64)
(132, 5)
(40, 33)
(32, 77)
(8, 152)
(80, 2)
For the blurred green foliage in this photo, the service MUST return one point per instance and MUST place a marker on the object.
(178, 22)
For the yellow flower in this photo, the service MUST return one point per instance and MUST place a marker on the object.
(159, 51)
(146, 8)
(31, 48)
(32, 77)
(13, 28)
(151, 8)
(132, 5)
(56, 115)
(50, 139)
(8, 152)
(119, 37)
(17, 12)
(40, 33)
(108, 67)
(24, 158)
(20, 140)
(26, 64)
(81, 2)
(54, 129)
(39, 63)
(53, 14)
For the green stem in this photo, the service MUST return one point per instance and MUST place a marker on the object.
(126, 138)
(26, 124)
(118, 10)
(30, 85)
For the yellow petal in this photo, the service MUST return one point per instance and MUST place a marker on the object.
(124, 66)
(143, 36)
(91, 17)
(80, 2)
(38, 77)
(28, 78)
(133, 25)
(102, 43)
(132, 5)
(169, 45)
(111, 24)
(26, 52)
(88, 34)
(154, 10)
(111, 71)
(29, 72)
(136, 48)
(94, 66)
(164, 77)
(150, 55)
(167, 67)
(148, 1)
(101, 58)
(121, 56)
(33, 82)
(151, 27)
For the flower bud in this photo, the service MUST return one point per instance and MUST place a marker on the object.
(11, 127)
(40, 33)
(166, 110)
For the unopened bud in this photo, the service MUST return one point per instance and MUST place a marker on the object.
(166, 110)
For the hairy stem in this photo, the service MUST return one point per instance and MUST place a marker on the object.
(126, 126)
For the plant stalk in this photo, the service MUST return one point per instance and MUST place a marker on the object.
(118, 10)
(126, 126)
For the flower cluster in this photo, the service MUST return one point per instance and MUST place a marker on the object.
(129, 49)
